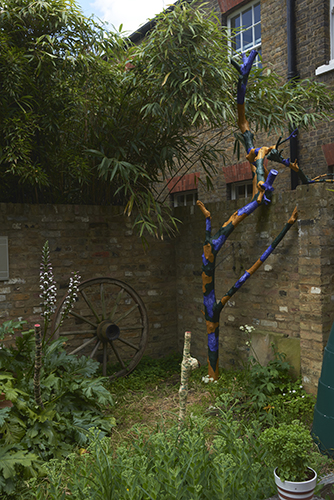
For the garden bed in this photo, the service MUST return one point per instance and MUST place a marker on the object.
(215, 454)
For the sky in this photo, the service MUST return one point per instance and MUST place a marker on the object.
(130, 13)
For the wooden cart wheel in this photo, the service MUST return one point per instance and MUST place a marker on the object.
(109, 322)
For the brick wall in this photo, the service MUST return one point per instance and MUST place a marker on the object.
(96, 241)
(274, 36)
(291, 294)
(313, 50)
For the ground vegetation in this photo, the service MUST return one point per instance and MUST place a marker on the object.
(217, 453)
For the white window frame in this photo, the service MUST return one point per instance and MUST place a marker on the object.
(330, 65)
(240, 11)
(4, 262)
(248, 189)
(178, 203)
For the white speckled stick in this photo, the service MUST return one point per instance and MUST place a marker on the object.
(185, 370)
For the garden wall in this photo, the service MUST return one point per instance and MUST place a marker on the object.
(96, 241)
(290, 298)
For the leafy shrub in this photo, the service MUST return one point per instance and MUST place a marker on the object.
(258, 391)
(289, 447)
(169, 464)
(73, 402)
(264, 381)
(293, 404)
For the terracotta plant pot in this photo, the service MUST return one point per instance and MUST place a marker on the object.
(290, 490)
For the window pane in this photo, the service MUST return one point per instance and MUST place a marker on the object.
(236, 44)
(257, 13)
(190, 199)
(249, 189)
(247, 39)
(235, 22)
(248, 21)
(247, 18)
(257, 30)
(241, 191)
(180, 200)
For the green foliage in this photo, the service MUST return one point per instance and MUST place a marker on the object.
(13, 460)
(49, 54)
(149, 372)
(258, 391)
(7, 328)
(85, 117)
(73, 401)
(265, 381)
(267, 394)
(304, 101)
(219, 457)
(293, 404)
(170, 463)
(289, 447)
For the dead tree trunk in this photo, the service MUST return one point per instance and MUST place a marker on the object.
(262, 186)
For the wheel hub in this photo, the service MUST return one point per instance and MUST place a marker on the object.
(107, 331)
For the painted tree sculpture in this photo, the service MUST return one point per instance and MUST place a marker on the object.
(262, 187)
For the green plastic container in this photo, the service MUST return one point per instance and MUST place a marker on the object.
(323, 419)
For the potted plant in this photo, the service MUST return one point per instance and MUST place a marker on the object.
(289, 448)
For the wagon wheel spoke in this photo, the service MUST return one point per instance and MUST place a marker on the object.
(97, 345)
(79, 332)
(72, 313)
(129, 344)
(126, 314)
(114, 309)
(105, 359)
(107, 311)
(139, 327)
(103, 301)
(82, 346)
(90, 305)
(117, 353)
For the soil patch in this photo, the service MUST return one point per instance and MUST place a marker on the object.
(157, 407)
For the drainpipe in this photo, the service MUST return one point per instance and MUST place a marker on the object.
(292, 74)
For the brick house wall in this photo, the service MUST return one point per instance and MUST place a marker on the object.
(313, 50)
(312, 33)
